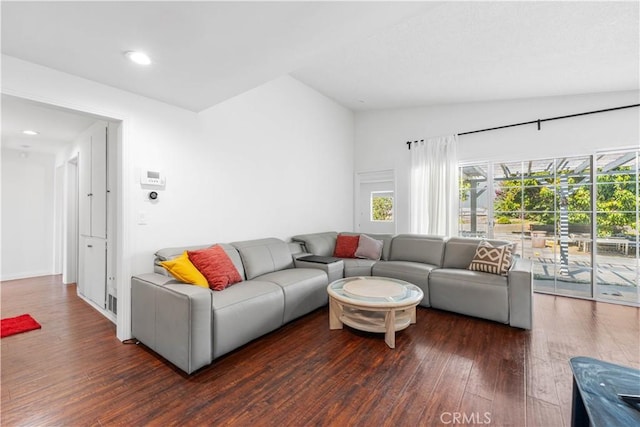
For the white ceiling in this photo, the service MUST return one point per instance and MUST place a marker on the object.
(364, 55)
(386, 54)
(57, 127)
(464, 52)
(203, 52)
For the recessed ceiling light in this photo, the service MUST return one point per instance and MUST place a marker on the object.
(140, 58)
(30, 132)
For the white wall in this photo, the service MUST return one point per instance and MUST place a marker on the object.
(280, 163)
(27, 214)
(381, 135)
(275, 161)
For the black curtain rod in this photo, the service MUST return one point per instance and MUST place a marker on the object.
(538, 122)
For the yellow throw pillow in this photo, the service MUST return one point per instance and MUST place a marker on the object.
(182, 269)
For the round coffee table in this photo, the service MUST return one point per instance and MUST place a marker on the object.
(373, 304)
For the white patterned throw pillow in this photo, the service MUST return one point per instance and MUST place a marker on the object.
(492, 259)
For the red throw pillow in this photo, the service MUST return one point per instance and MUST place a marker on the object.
(346, 246)
(216, 266)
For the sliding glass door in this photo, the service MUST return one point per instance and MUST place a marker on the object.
(616, 244)
(560, 221)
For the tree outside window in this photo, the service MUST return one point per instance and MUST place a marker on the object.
(539, 196)
(382, 206)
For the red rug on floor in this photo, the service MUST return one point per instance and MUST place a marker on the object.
(17, 325)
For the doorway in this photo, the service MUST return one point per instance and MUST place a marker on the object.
(75, 120)
(70, 223)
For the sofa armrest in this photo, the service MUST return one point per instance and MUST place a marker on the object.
(334, 270)
(173, 319)
(521, 294)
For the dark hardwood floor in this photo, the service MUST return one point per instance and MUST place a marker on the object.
(447, 367)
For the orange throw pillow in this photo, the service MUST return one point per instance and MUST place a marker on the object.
(346, 246)
(216, 266)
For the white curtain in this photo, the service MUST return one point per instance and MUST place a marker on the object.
(434, 186)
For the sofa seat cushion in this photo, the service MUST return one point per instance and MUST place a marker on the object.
(357, 267)
(304, 289)
(468, 292)
(244, 312)
(412, 272)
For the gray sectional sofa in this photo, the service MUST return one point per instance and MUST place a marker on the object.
(439, 266)
(190, 326)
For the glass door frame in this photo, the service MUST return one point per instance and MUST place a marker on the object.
(487, 168)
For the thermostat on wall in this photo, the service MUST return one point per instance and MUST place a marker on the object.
(152, 178)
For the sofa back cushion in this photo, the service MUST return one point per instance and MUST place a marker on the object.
(321, 244)
(324, 244)
(172, 253)
(369, 248)
(346, 246)
(492, 259)
(263, 256)
(418, 248)
(459, 251)
(385, 238)
(216, 266)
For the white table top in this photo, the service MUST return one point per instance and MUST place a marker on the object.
(375, 292)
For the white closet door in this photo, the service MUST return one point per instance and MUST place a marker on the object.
(94, 269)
(99, 182)
(84, 186)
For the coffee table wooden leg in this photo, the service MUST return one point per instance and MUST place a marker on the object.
(335, 312)
(390, 326)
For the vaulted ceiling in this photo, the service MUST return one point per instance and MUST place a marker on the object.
(364, 55)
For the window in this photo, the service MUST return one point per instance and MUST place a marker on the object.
(382, 206)
(554, 213)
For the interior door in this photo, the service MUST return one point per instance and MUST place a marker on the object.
(84, 186)
(94, 269)
(93, 214)
(99, 181)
